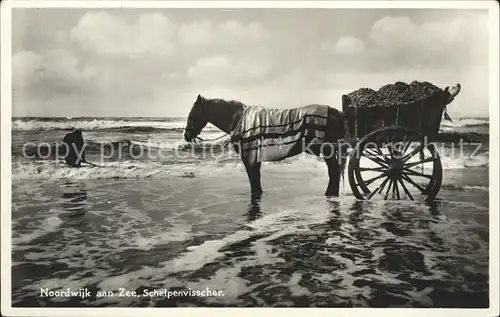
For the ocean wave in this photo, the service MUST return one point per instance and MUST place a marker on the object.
(106, 170)
(480, 160)
(191, 167)
(143, 125)
(101, 124)
(465, 187)
(46, 150)
(466, 122)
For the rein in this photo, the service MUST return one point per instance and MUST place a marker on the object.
(210, 140)
(238, 125)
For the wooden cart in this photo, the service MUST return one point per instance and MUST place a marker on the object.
(392, 151)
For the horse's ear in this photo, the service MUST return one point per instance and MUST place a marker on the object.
(199, 97)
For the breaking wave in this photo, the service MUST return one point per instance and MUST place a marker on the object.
(190, 167)
(149, 125)
(33, 150)
(121, 125)
(466, 123)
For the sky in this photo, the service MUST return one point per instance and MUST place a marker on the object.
(154, 62)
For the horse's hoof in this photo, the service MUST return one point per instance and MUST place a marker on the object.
(329, 195)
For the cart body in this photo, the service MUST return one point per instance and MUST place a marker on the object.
(394, 140)
(422, 116)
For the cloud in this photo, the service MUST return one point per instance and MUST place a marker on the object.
(346, 45)
(221, 68)
(104, 33)
(397, 42)
(155, 35)
(25, 64)
(196, 33)
(454, 42)
(220, 34)
(156, 63)
(53, 68)
(50, 83)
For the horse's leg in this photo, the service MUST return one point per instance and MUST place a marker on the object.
(334, 155)
(253, 171)
(254, 210)
(333, 168)
(334, 177)
(330, 155)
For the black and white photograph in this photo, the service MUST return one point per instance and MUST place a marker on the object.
(267, 154)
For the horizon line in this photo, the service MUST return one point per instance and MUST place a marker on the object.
(159, 117)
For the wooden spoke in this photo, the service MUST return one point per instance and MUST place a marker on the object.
(378, 161)
(413, 152)
(391, 150)
(378, 189)
(370, 195)
(427, 160)
(415, 173)
(400, 149)
(371, 180)
(388, 189)
(393, 188)
(409, 180)
(397, 190)
(407, 192)
(373, 169)
(379, 152)
(394, 149)
(372, 152)
(383, 185)
(407, 146)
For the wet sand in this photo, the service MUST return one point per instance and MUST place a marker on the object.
(295, 248)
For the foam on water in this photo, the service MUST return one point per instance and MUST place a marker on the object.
(47, 225)
(182, 224)
(98, 124)
(263, 234)
(88, 124)
(175, 144)
(247, 262)
(46, 169)
(225, 279)
(465, 122)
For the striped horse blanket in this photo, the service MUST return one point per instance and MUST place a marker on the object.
(268, 135)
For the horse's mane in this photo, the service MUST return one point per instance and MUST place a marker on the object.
(227, 102)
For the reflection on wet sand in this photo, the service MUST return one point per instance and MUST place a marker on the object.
(74, 199)
(254, 211)
(277, 252)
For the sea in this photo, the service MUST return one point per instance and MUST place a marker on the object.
(166, 223)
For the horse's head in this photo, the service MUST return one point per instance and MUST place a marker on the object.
(196, 120)
(453, 91)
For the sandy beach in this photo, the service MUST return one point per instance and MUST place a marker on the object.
(143, 225)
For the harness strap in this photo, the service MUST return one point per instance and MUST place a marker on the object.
(214, 139)
(238, 125)
(236, 128)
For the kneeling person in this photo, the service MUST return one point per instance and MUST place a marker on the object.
(75, 152)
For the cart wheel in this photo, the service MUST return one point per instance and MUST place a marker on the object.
(395, 163)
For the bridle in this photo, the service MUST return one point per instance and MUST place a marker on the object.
(245, 108)
(209, 140)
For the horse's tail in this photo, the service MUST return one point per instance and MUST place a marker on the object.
(342, 160)
(343, 132)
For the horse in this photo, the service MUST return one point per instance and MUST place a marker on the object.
(260, 134)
